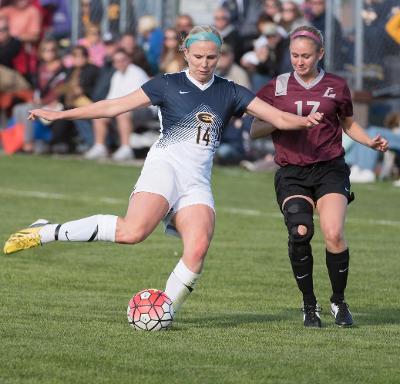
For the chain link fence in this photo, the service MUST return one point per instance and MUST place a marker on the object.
(118, 16)
(359, 46)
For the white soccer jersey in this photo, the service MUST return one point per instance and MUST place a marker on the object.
(192, 117)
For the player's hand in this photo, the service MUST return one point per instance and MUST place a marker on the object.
(379, 143)
(44, 114)
(314, 119)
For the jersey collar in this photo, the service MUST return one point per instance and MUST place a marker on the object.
(312, 83)
(203, 87)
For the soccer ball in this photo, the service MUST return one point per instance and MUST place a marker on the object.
(150, 310)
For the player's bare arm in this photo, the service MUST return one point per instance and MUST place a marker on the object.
(357, 133)
(279, 119)
(103, 108)
(260, 128)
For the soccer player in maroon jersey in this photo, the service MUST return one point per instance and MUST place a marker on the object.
(313, 172)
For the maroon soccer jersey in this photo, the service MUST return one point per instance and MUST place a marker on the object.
(328, 94)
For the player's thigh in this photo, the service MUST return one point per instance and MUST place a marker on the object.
(332, 209)
(195, 224)
(145, 211)
(292, 181)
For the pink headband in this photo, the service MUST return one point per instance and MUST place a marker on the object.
(308, 34)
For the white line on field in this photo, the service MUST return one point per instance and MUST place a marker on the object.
(60, 196)
(116, 201)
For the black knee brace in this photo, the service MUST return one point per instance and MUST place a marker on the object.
(299, 211)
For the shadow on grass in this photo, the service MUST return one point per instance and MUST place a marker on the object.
(365, 316)
(376, 316)
(232, 319)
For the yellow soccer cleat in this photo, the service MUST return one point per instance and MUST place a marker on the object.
(25, 238)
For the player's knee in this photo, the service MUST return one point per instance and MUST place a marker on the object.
(130, 238)
(130, 234)
(298, 214)
(334, 237)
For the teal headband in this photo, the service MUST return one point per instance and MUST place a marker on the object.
(203, 36)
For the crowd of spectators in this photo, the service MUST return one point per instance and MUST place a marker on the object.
(39, 66)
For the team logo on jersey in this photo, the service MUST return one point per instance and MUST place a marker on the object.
(205, 117)
(329, 93)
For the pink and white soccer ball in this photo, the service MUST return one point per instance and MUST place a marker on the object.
(150, 310)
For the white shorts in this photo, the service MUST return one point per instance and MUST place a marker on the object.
(180, 186)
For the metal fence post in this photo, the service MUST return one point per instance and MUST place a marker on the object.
(359, 45)
(123, 14)
(329, 35)
(75, 21)
(105, 25)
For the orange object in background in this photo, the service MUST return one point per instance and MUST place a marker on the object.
(12, 138)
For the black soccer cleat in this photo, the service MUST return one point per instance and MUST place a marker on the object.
(311, 317)
(342, 314)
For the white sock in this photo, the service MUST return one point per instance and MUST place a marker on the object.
(180, 284)
(93, 228)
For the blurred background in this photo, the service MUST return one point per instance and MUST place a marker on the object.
(60, 54)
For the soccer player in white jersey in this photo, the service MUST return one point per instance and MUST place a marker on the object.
(174, 185)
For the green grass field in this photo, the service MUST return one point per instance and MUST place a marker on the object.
(63, 306)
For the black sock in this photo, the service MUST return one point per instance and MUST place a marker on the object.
(338, 269)
(302, 265)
